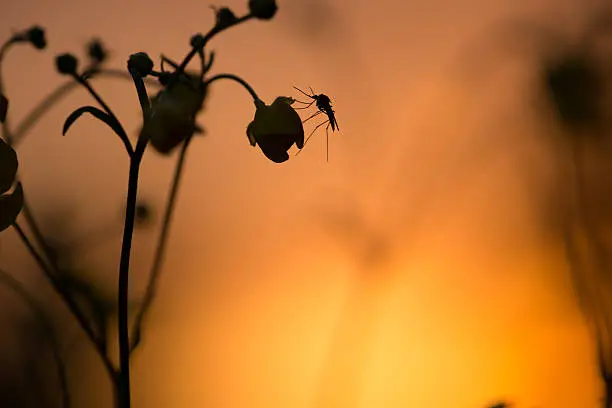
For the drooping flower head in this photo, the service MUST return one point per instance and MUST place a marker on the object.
(173, 114)
(276, 128)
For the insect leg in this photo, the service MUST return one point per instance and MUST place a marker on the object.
(307, 104)
(312, 116)
(310, 135)
(310, 96)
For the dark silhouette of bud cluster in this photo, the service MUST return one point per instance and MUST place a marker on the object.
(169, 122)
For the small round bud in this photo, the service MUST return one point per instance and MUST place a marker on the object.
(224, 17)
(141, 64)
(96, 51)
(36, 36)
(263, 9)
(66, 64)
(197, 41)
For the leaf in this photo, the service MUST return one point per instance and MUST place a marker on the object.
(99, 114)
(3, 107)
(10, 207)
(8, 166)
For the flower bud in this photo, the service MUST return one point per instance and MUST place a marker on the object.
(36, 36)
(96, 51)
(225, 17)
(140, 63)
(66, 64)
(263, 9)
(276, 128)
(197, 41)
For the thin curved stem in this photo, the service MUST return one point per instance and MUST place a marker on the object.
(195, 50)
(6, 134)
(47, 270)
(143, 97)
(233, 78)
(124, 273)
(124, 397)
(72, 306)
(3, 50)
(41, 316)
(61, 92)
(160, 249)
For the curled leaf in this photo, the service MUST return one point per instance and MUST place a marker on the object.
(99, 114)
(10, 207)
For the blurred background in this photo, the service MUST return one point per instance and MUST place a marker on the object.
(423, 266)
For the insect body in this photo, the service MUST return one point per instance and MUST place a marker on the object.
(323, 104)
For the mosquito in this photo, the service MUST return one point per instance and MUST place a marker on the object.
(323, 103)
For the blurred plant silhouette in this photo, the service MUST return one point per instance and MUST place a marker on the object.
(168, 124)
(573, 83)
(501, 404)
(350, 346)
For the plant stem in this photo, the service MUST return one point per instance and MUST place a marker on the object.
(124, 272)
(124, 268)
(58, 94)
(160, 250)
(195, 50)
(235, 78)
(43, 320)
(6, 134)
(72, 306)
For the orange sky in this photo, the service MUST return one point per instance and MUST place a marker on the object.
(470, 303)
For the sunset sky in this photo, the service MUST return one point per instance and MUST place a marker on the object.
(442, 170)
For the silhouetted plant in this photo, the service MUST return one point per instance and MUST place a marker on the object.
(501, 404)
(168, 122)
(573, 79)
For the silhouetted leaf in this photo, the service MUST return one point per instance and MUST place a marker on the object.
(10, 207)
(8, 166)
(99, 114)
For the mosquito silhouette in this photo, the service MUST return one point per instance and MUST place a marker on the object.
(323, 103)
